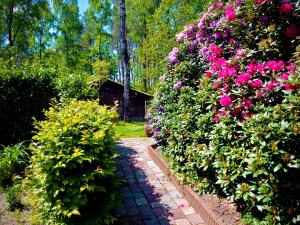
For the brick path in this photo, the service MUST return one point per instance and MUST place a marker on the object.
(148, 197)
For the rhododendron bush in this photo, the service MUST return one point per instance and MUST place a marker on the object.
(220, 113)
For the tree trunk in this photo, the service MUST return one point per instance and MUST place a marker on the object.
(10, 23)
(125, 59)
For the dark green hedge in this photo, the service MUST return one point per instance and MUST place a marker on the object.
(22, 98)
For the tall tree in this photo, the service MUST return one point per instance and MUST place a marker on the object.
(69, 31)
(125, 60)
(18, 22)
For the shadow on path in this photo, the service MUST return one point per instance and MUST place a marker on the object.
(144, 195)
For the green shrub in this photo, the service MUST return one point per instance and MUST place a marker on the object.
(13, 160)
(13, 196)
(226, 112)
(25, 92)
(74, 85)
(72, 175)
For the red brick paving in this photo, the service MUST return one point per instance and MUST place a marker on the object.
(148, 197)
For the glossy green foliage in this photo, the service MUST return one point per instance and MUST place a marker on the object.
(72, 177)
(13, 160)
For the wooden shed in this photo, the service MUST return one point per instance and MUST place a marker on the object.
(111, 93)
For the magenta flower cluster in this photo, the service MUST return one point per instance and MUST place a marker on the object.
(226, 66)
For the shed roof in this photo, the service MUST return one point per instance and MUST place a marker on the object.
(122, 86)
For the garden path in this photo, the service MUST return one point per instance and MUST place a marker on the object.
(148, 197)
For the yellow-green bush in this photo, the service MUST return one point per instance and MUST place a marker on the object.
(72, 172)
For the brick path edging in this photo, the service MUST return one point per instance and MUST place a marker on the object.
(193, 198)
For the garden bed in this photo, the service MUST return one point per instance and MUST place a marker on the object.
(214, 210)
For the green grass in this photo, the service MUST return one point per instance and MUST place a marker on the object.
(132, 129)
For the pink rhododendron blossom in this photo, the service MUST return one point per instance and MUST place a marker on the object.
(222, 113)
(215, 50)
(246, 114)
(172, 56)
(292, 68)
(208, 74)
(247, 103)
(251, 68)
(284, 76)
(291, 31)
(226, 87)
(257, 83)
(230, 13)
(177, 85)
(285, 8)
(227, 73)
(270, 86)
(275, 66)
(235, 112)
(215, 85)
(217, 119)
(288, 86)
(262, 1)
(225, 101)
(192, 46)
(243, 79)
(260, 94)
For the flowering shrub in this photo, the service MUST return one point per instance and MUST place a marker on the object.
(72, 176)
(220, 112)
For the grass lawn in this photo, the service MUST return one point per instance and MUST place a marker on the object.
(132, 129)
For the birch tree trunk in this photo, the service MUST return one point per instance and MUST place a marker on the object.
(125, 59)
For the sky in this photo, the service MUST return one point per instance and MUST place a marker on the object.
(83, 5)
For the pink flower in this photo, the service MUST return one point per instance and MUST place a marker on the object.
(291, 31)
(208, 74)
(247, 103)
(285, 8)
(288, 86)
(257, 83)
(235, 112)
(275, 66)
(260, 94)
(270, 86)
(227, 73)
(230, 13)
(284, 76)
(246, 114)
(217, 119)
(215, 85)
(243, 79)
(251, 68)
(225, 101)
(222, 113)
(177, 85)
(262, 1)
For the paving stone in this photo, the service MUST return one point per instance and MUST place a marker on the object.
(165, 198)
(136, 220)
(188, 211)
(176, 214)
(145, 210)
(133, 211)
(182, 203)
(126, 194)
(175, 194)
(149, 198)
(195, 219)
(151, 221)
(155, 204)
(141, 201)
(160, 211)
(170, 205)
(138, 195)
(129, 202)
(164, 221)
(182, 222)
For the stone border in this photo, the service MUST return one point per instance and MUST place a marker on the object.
(193, 198)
